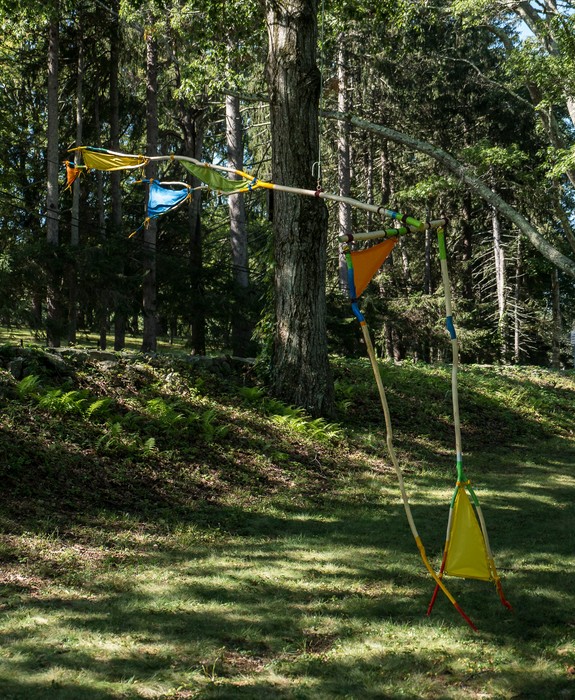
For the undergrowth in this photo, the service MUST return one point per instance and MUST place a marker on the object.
(171, 532)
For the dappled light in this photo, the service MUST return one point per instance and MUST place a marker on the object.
(249, 556)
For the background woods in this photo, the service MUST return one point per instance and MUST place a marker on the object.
(460, 108)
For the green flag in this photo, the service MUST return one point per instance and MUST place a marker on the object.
(213, 179)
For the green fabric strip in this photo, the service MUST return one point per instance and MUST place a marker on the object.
(213, 179)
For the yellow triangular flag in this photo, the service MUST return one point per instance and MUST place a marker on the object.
(466, 550)
(100, 159)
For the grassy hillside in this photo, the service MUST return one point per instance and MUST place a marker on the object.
(168, 530)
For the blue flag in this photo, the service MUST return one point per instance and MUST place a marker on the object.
(162, 199)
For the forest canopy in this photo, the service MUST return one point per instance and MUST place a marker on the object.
(452, 108)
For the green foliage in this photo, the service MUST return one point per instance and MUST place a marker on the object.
(165, 414)
(292, 418)
(29, 386)
(58, 401)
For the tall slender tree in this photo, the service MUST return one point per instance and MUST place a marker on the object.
(54, 325)
(149, 289)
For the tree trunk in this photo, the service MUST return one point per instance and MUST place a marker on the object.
(241, 330)
(467, 244)
(75, 214)
(149, 291)
(54, 321)
(119, 301)
(517, 301)
(101, 300)
(300, 371)
(197, 302)
(193, 131)
(343, 158)
(501, 283)
(557, 322)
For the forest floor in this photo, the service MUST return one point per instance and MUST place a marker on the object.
(168, 530)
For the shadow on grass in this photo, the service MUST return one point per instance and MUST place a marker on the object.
(176, 591)
(285, 593)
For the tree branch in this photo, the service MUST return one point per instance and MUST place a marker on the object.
(466, 175)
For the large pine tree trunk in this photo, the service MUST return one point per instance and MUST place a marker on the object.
(300, 371)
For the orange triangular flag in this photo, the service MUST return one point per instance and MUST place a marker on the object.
(367, 262)
(72, 172)
(466, 550)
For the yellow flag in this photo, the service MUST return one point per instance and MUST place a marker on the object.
(466, 550)
(104, 160)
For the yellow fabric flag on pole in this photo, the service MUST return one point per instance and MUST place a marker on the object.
(466, 551)
(100, 159)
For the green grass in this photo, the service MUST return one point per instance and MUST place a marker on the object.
(85, 339)
(189, 537)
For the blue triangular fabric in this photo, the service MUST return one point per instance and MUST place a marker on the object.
(161, 199)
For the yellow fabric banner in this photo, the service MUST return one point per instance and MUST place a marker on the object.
(466, 551)
(100, 160)
(367, 262)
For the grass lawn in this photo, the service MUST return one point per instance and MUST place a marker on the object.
(242, 550)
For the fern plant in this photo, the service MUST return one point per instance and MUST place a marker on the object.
(57, 401)
(99, 408)
(209, 429)
(168, 417)
(28, 386)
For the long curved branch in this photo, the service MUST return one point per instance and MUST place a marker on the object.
(466, 175)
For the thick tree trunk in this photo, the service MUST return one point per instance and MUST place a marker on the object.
(241, 330)
(300, 371)
(149, 291)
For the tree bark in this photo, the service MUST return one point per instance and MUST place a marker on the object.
(300, 370)
(517, 293)
(119, 301)
(500, 282)
(241, 330)
(343, 157)
(467, 249)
